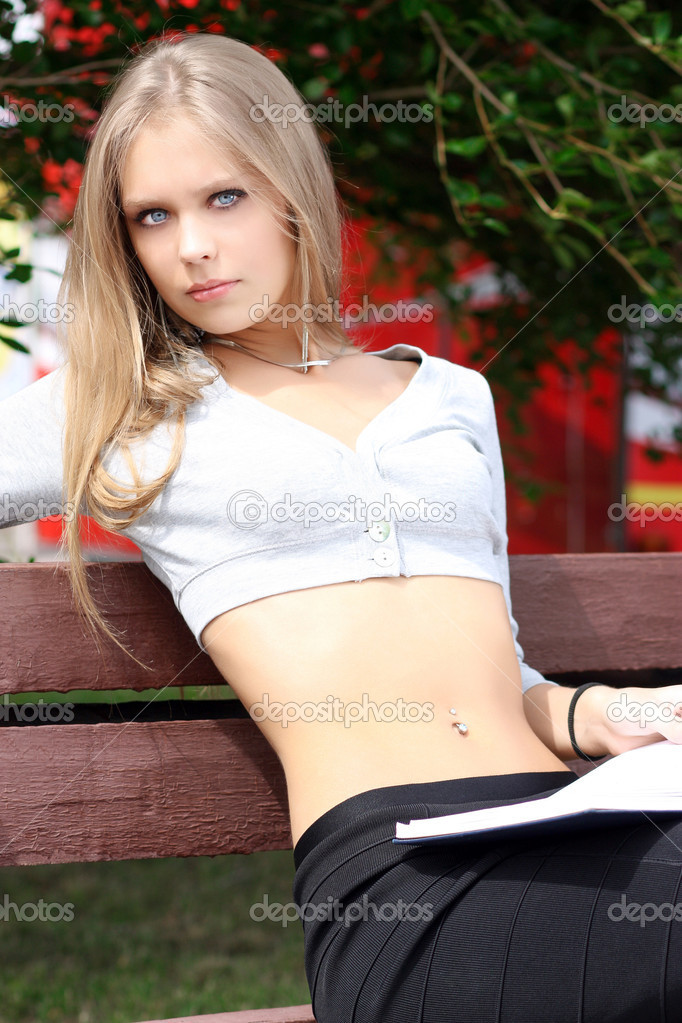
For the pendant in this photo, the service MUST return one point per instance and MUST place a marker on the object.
(459, 725)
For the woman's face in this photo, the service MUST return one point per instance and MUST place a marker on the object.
(192, 220)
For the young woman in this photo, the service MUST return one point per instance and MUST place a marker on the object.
(331, 524)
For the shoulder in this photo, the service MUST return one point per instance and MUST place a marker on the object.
(37, 408)
(462, 380)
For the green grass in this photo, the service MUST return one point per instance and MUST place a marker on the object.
(149, 939)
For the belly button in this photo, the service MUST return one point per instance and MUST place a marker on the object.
(459, 725)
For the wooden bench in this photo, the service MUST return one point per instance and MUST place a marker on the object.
(93, 790)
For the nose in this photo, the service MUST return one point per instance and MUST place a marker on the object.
(195, 240)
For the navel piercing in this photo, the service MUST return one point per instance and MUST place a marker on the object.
(459, 725)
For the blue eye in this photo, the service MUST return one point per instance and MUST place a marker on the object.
(142, 216)
(234, 194)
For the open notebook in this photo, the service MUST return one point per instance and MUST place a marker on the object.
(648, 779)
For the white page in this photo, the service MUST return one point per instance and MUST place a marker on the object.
(646, 778)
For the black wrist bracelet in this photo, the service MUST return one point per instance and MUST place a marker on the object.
(571, 712)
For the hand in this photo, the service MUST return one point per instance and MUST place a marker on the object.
(622, 719)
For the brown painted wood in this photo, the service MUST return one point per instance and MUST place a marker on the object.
(76, 792)
(576, 612)
(43, 644)
(72, 793)
(182, 788)
(288, 1014)
(591, 612)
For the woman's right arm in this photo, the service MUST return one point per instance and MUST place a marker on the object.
(31, 474)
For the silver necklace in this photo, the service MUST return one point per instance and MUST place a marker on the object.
(287, 365)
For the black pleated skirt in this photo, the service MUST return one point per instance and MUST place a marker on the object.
(583, 926)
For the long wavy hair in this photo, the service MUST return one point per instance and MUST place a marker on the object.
(129, 361)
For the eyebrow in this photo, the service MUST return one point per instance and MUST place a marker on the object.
(133, 205)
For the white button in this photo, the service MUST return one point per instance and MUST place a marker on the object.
(384, 557)
(379, 530)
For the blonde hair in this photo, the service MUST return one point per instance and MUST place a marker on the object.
(129, 364)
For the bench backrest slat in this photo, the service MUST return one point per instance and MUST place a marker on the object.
(127, 790)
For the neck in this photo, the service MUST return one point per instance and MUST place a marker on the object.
(294, 360)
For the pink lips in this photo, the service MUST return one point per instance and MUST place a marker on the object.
(210, 289)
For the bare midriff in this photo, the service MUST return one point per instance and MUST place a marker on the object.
(352, 683)
(395, 655)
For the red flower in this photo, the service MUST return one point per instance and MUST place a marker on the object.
(318, 50)
(73, 173)
(51, 12)
(52, 173)
(188, 3)
(60, 37)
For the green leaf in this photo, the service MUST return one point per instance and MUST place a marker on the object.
(564, 257)
(411, 8)
(21, 272)
(465, 192)
(657, 160)
(495, 225)
(566, 105)
(578, 245)
(571, 197)
(602, 166)
(661, 26)
(448, 101)
(16, 345)
(472, 146)
(491, 199)
(427, 56)
(314, 88)
(632, 10)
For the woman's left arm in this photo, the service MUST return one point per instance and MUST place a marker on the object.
(606, 720)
